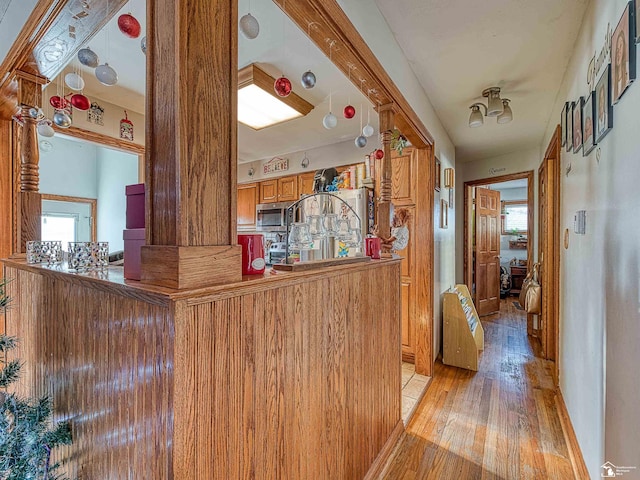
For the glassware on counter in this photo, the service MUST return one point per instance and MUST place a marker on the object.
(316, 226)
(299, 236)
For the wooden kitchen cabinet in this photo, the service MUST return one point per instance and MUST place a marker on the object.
(288, 189)
(305, 183)
(403, 177)
(269, 191)
(248, 195)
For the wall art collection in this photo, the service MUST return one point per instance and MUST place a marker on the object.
(587, 121)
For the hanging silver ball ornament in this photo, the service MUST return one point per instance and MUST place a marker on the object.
(88, 57)
(329, 121)
(143, 44)
(45, 129)
(33, 112)
(249, 26)
(62, 119)
(367, 131)
(308, 79)
(74, 81)
(361, 141)
(106, 75)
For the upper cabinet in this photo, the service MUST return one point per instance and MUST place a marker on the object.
(288, 189)
(305, 183)
(247, 200)
(403, 176)
(283, 189)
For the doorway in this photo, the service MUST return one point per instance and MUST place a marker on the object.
(497, 256)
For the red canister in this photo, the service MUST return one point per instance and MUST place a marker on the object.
(373, 247)
(252, 254)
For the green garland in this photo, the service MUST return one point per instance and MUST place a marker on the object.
(27, 432)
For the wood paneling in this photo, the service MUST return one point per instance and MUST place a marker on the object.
(500, 422)
(107, 363)
(282, 377)
(269, 191)
(30, 211)
(247, 200)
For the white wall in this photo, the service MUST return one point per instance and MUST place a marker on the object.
(116, 170)
(373, 28)
(69, 168)
(515, 162)
(600, 271)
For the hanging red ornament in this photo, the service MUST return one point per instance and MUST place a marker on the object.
(80, 102)
(282, 86)
(349, 111)
(129, 25)
(58, 102)
(379, 154)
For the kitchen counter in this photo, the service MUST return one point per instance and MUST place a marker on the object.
(310, 360)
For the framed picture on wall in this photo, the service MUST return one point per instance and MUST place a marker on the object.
(576, 114)
(603, 109)
(568, 132)
(623, 54)
(637, 20)
(588, 136)
(563, 123)
(437, 174)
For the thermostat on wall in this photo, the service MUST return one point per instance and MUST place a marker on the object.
(580, 222)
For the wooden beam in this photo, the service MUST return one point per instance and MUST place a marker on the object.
(101, 139)
(386, 114)
(191, 143)
(6, 188)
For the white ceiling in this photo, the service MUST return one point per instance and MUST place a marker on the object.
(457, 48)
(13, 15)
(293, 57)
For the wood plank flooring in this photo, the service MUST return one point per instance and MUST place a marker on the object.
(498, 423)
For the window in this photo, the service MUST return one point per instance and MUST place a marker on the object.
(59, 226)
(514, 215)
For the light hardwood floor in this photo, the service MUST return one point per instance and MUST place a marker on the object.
(498, 423)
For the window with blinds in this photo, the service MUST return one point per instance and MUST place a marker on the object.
(514, 217)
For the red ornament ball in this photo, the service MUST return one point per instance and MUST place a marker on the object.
(282, 86)
(349, 111)
(379, 154)
(80, 102)
(129, 25)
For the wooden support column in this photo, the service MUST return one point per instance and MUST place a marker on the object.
(29, 201)
(191, 144)
(386, 117)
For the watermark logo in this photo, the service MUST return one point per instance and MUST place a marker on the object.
(609, 470)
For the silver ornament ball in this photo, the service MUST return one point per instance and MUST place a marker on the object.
(249, 26)
(329, 121)
(88, 57)
(367, 131)
(361, 141)
(61, 119)
(308, 79)
(106, 75)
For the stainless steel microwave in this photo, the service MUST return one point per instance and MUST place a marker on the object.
(272, 217)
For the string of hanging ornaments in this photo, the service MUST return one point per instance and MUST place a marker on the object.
(368, 130)
(349, 111)
(282, 85)
(330, 121)
(249, 26)
(308, 79)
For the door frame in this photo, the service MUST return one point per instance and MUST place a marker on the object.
(468, 245)
(93, 203)
(550, 278)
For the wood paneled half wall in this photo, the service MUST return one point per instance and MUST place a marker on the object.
(290, 376)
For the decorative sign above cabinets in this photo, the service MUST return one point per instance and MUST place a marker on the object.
(276, 164)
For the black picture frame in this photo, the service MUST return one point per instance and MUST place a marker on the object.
(636, 13)
(568, 134)
(588, 132)
(623, 54)
(563, 124)
(576, 124)
(603, 107)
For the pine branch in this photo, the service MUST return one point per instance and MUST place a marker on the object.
(7, 343)
(10, 373)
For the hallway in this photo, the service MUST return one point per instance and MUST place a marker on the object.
(499, 423)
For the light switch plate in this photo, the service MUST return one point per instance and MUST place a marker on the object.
(580, 222)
